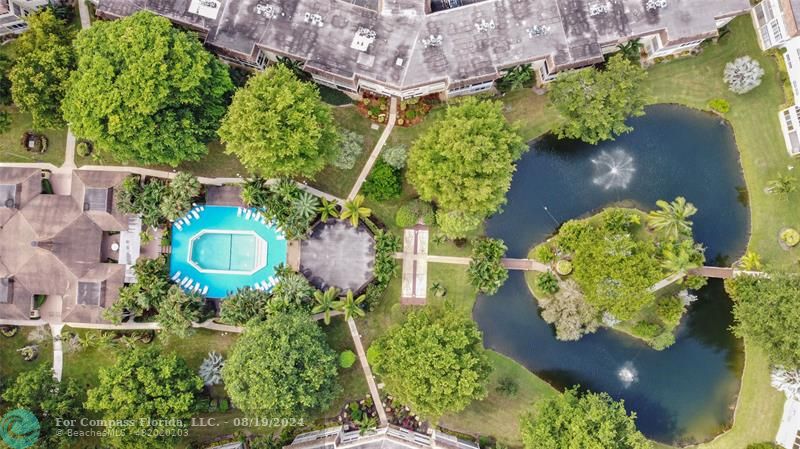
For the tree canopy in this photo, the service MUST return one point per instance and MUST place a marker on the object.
(144, 384)
(574, 421)
(177, 310)
(767, 311)
(595, 103)
(278, 127)
(281, 367)
(43, 66)
(48, 399)
(466, 162)
(244, 305)
(434, 362)
(145, 91)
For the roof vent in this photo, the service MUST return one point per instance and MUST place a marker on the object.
(399, 62)
(538, 31)
(654, 5)
(432, 41)
(313, 19)
(268, 11)
(484, 27)
(363, 38)
(206, 8)
(596, 9)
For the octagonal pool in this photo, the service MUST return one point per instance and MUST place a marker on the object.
(217, 250)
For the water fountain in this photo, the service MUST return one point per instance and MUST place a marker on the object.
(628, 374)
(614, 170)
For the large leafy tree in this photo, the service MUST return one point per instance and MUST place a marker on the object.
(44, 62)
(48, 399)
(281, 367)
(588, 421)
(595, 103)
(466, 162)
(145, 91)
(434, 361)
(767, 311)
(278, 126)
(145, 384)
(486, 271)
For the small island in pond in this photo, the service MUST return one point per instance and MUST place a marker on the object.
(621, 268)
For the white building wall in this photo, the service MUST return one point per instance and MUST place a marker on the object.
(768, 21)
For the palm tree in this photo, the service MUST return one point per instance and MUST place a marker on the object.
(672, 220)
(515, 78)
(355, 211)
(438, 289)
(783, 185)
(326, 302)
(293, 287)
(305, 205)
(253, 192)
(295, 66)
(328, 209)
(682, 257)
(751, 261)
(350, 305)
(286, 189)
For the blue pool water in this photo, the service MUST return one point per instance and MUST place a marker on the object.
(224, 251)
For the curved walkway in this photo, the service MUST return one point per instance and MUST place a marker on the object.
(373, 157)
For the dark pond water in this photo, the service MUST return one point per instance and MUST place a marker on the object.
(685, 393)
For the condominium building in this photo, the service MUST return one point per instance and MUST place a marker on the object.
(409, 48)
(777, 24)
(14, 12)
(388, 437)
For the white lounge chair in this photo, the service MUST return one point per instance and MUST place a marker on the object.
(178, 225)
(248, 213)
(205, 290)
(184, 281)
(238, 211)
(257, 287)
(176, 276)
(196, 287)
(195, 214)
(265, 285)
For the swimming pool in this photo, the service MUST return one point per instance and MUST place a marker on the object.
(217, 250)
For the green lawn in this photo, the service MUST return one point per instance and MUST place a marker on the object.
(11, 149)
(12, 362)
(498, 415)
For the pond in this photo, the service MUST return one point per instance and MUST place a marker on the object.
(683, 394)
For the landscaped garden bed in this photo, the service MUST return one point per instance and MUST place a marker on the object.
(410, 112)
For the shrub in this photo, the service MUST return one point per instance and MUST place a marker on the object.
(406, 216)
(351, 145)
(720, 105)
(647, 330)
(347, 359)
(395, 156)
(547, 283)
(765, 445)
(507, 386)
(373, 353)
(83, 148)
(790, 237)
(486, 271)
(695, 282)
(568, 312)
(669, 310)
(663, 341)
(564, 267)
(411, 115)
(383, 183)
(544, 253)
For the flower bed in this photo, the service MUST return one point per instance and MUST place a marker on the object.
(410, 112)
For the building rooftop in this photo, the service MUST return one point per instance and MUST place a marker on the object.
(52, 245)
(408, 46)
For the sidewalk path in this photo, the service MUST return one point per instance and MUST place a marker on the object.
(362, 357)
(377, 150)
(83, 10)
(58, 353)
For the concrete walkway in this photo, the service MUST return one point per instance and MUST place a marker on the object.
(58, 352)
(362, 358)
(373, 157)
(83, 10)
(415, 266)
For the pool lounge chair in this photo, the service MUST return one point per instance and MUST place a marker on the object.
(265, 285)
(176, 276)
(178, 225)
(205, 290)
(257, 287)
(184, 281)
(196, 287)
(195, 215)
(238, 211)
(247, 214)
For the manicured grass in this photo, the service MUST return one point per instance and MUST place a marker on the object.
(339, 182)
(533, 113)
(754, 116)
(11, 149)
(498, 415)
(352, 380)
(12, 363)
